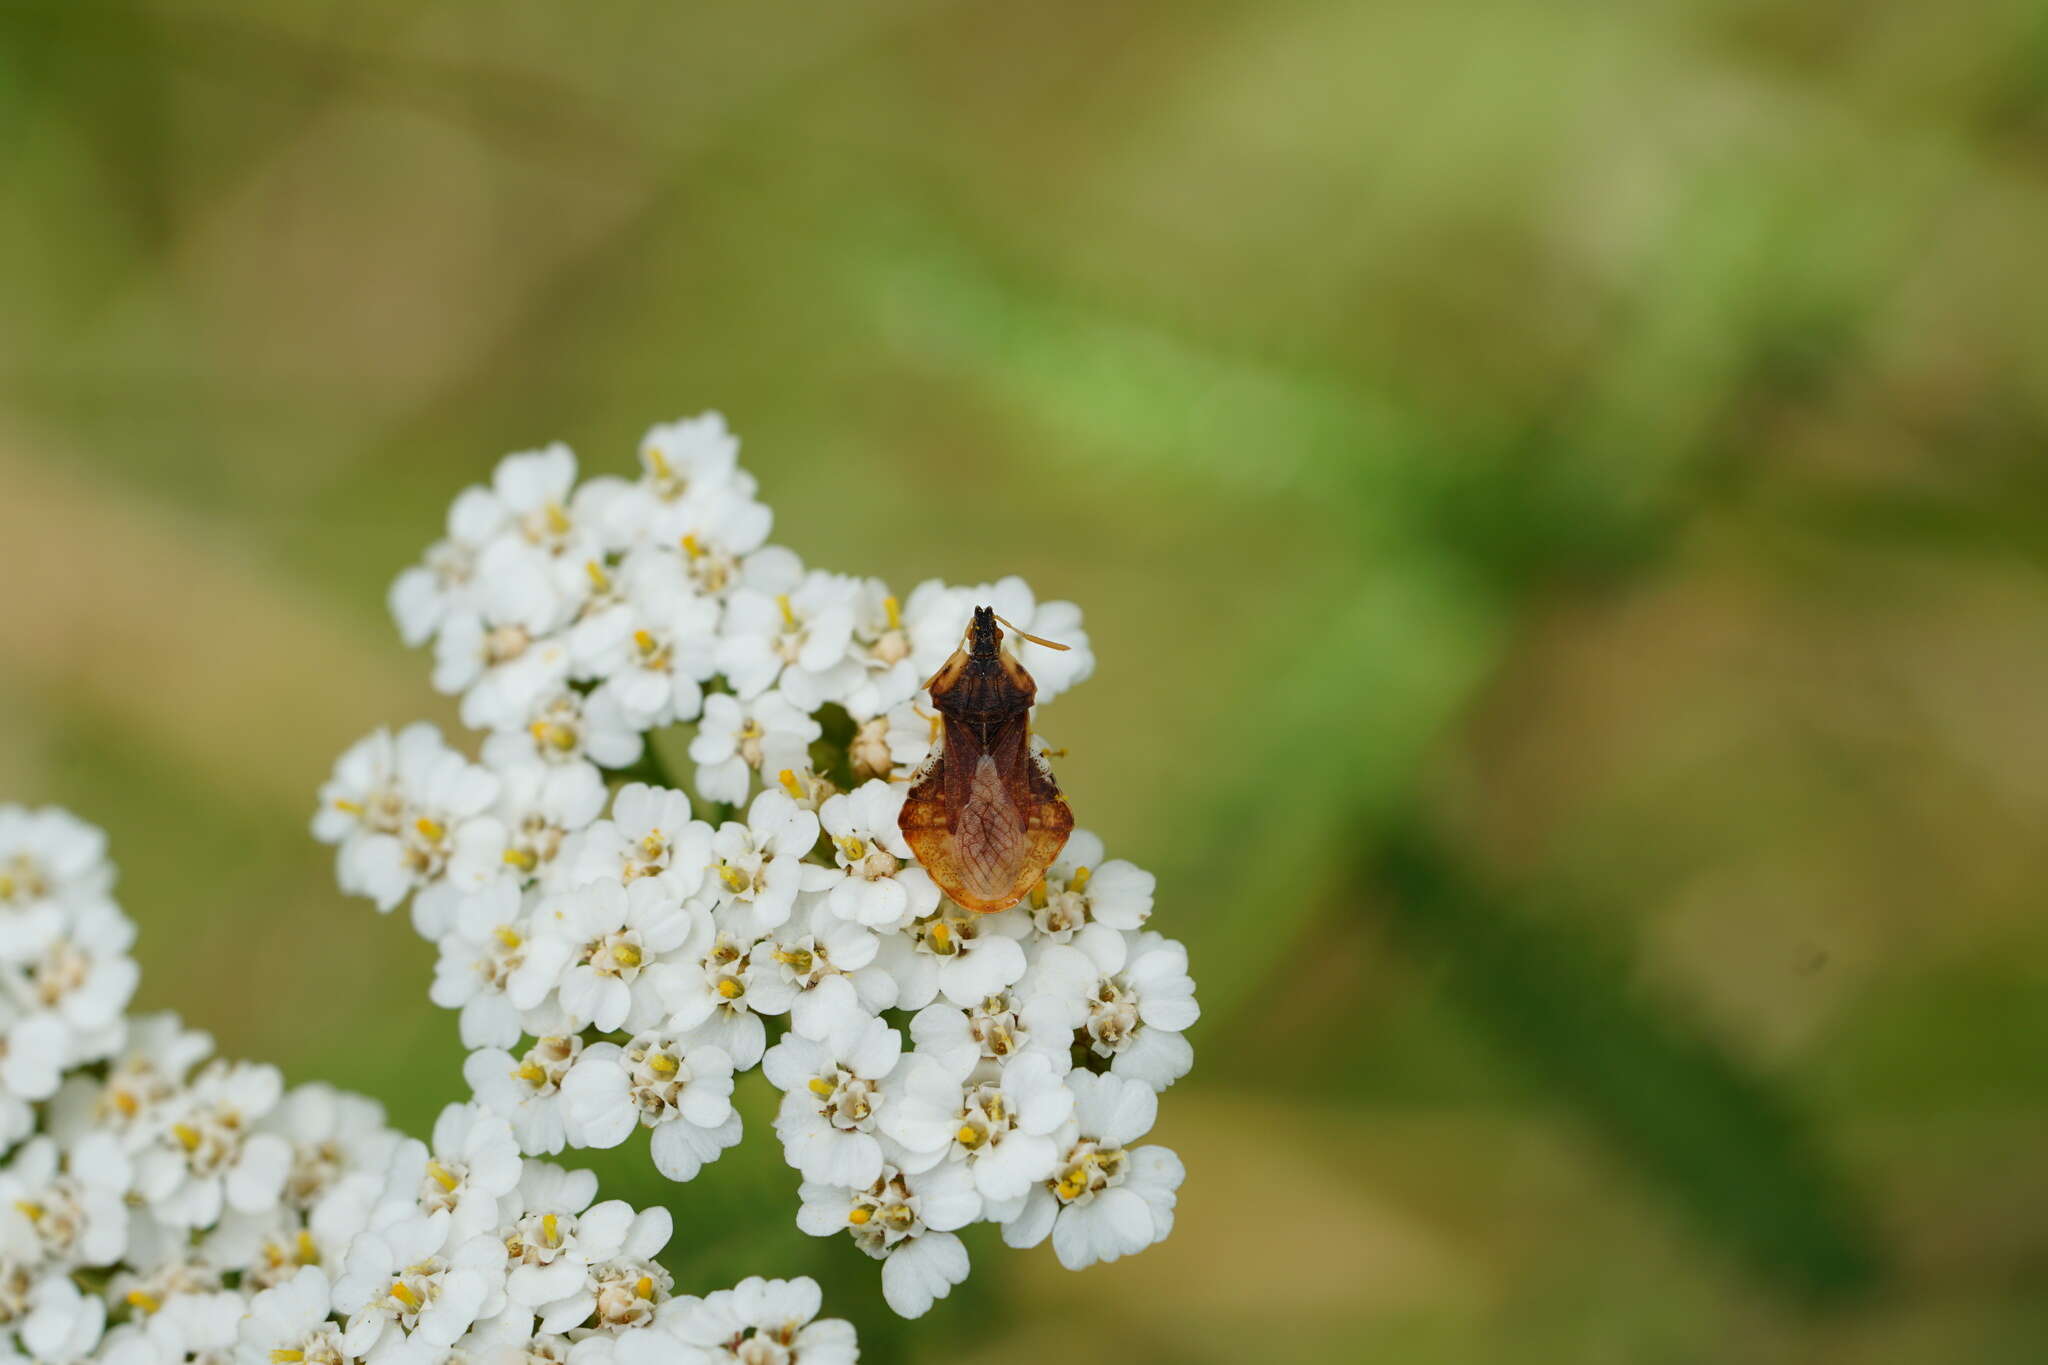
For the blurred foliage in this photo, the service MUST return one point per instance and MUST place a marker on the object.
(1557, 493)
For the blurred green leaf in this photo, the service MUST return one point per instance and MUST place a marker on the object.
(1728, 1146)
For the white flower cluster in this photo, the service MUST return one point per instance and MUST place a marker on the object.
(617, 959)
(161, 1208)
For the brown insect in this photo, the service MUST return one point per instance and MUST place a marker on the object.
(984, 814)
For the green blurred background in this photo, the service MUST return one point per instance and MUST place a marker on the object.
(1557, 490)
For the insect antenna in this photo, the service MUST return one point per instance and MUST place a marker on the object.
(1022, 634)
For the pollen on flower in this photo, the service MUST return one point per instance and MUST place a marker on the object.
(553, 735)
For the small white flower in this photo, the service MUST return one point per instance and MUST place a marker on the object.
(61, 1322)
(144, 1081)
(762, 1322)
(410, 1282)
(71, 1216)
(177, 1299)
(711, 998)
(678, 1087)
(51, 864)
(963, 956)
(1080, 889)
(906, 1221)
(720, 534)
(885, 675)
(997, 1028)
(552, 524)
(480, 955)
(501, 656)
(758, 867)
(422, 597)
(655, 648)
(334, 1135)
(833, 1100)
(566, 727)
(820, 969)
(211, 1153)
(880, 886)
(395, 805)
(737, 738)
(690, 457)
(544, 1248)
(540, 807)
(269, 1248)
(621, 1287)
(999, 1120)
(595, 945)
(804, 637)
(1106, 1198)
(526, 1091)
(650, 835)
(289, 1321)
(84, 977)
(34, 1049)
(471, 1164)
(1137, 996)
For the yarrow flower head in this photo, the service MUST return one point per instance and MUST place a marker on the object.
(622, 938)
